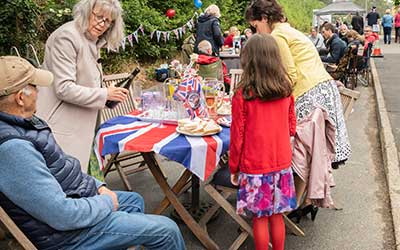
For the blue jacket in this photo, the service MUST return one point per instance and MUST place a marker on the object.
(207, 28)
(336, 48)
(41, 188)
(387, 21)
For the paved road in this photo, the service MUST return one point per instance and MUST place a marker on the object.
(364, 223)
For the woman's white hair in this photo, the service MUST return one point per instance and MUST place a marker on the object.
(213, 10)
(115, 33)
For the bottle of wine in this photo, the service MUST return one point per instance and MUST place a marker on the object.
(126, 83)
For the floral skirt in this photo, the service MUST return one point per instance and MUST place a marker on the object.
(326, 95)
(266, 194)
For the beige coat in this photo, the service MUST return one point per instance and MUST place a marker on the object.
(72, 103)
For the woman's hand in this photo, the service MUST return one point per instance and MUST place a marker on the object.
(235, 179)
(116, 94)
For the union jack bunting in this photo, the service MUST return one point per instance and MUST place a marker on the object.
(200, 155)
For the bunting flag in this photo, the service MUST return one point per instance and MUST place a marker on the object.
(158, 34)
(130, 40)
(123, 42)
(165, 33)
(135, 35)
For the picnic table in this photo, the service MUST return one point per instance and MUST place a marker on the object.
(199, 155)
(232, 61)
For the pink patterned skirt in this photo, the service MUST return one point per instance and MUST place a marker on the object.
(266, 194)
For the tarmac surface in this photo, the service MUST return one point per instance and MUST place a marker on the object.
(365, 221)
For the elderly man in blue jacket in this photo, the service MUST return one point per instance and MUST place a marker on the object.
(333, 43)
(44, 190)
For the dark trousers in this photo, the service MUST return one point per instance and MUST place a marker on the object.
(397, 37)
(387, 34)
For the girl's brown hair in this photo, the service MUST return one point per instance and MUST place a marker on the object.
(264, 75)
(268, 9)
(354, 34)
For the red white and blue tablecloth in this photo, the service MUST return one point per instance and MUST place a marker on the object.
(127, 133)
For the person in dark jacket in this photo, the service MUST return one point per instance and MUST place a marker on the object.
(357, 22)
(44, 190)
(208, 28)
(334, 44)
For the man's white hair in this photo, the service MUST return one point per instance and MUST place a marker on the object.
(204, 47)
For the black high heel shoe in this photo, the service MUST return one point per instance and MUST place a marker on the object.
(295, 215)
(310, 209)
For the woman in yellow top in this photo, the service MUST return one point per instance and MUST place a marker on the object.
(312, 85)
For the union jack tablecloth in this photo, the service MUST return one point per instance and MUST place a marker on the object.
(127, 133)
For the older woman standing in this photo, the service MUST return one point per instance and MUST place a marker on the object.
(208, 28)
(72, 104)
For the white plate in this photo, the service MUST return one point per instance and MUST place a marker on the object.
(197, 134)
(222, 113)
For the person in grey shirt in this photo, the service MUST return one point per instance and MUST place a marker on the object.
(46, 193)
(317, 39)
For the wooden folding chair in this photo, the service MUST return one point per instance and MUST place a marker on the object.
(126, 163)
(9, 224)
(348, 98)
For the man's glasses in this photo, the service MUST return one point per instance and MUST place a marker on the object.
(100, 18)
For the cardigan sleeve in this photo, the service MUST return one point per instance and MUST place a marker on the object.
(287, 58)
(63, 59)
(237, 132)
(292, 117)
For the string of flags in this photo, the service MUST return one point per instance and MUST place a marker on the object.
(159, 35)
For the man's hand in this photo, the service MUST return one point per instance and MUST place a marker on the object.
(105, 191)
(235, 179)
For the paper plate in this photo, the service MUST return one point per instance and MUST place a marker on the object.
(197, 134)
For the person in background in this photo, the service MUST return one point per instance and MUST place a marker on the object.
(317, 39)
(44, 190)
(188, 48)
(373, 19)
(387, 24)
(338, 23)
(357, 22)
(206, 58)
(343, 29)
(247, 34)
(312, 85)
(369, 37)
(397, 26)
(264, 88)
(208, 28)
(71, 105)
(333, 43)
(233, 31)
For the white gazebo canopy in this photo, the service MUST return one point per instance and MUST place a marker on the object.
(340, 7)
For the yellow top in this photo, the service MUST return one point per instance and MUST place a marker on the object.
(300, 58)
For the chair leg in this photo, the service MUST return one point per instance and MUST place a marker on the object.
(228, 208)
(293, 227)
(239, 241)
(123, 176)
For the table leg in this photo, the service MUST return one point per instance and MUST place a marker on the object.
(195, 193)
(186, 217)
(180, 185)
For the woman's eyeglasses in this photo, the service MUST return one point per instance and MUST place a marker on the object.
(100, 18)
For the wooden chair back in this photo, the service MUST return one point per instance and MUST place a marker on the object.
(122, 108)
(9, 224)
(348, 98)
(236, 74)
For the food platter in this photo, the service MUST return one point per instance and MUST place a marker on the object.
(197, 134)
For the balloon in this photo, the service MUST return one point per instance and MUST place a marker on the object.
(170, 13)
(198, 3)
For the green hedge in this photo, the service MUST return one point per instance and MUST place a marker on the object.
(31, 21)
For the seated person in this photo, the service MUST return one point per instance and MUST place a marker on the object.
(333, 43)
(211, 66)
(317, 39)
(44, 191)
(343, 29)
(187, 48)
(228, 41)
(370, 37)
